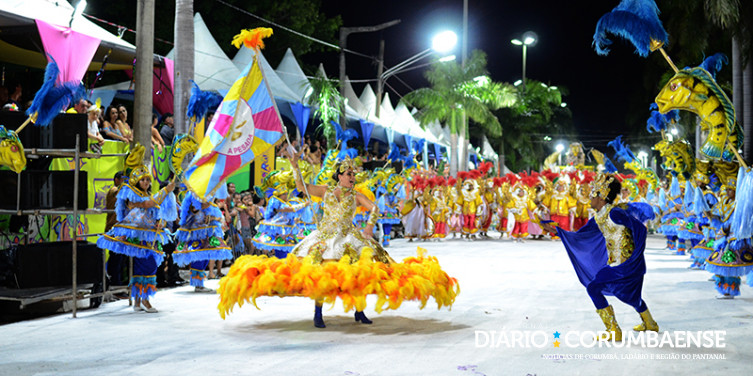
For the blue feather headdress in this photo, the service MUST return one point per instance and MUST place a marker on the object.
(658, 122)
(418, 145)
(621, 150)
(634, 20)
(52, 98)
(343, 136)
(714, 63)
(609, 166)
(394, 155)
(201, 102)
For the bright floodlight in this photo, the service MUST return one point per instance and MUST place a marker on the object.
(673, 131)
(444, 41)
(518, 82)
(560, 148)
(529, 40)
(447, 58)
(482, 80)
(516, 42)
(563, 104)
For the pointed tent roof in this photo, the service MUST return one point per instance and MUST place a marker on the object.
(353, 101)
(292, 75)
(213, 70)
(368, 99)
(245, 55)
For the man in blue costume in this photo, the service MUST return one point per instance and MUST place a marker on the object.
(607, 254)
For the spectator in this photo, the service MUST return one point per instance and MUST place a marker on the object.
(111, 128)
(79, 107)
(93, 128)
(157, 140)
(125, 128)
(167, 129)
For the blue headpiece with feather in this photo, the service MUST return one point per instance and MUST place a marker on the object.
(609, 166)
(418, 145)
(658, 122)
(621, 150)
(344, 136)
(714, 63)
(201, 102)
(52, 98)
(634, 20)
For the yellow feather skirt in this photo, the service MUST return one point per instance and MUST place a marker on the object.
(416, 278)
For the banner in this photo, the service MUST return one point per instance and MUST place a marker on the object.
(301, 113)
(264, 165)
(366, 128)
(245, 125)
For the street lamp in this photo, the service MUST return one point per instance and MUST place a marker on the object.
(529, 39)
(441, 43)
(559, 148)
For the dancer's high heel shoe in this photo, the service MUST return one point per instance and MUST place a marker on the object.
(318, 320)
(360, 316)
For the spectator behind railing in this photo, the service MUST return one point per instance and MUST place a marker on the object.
(157, 141)
(111, 129)
(125, 128)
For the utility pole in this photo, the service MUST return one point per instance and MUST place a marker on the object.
(184, 63)
(142, 121)
(344, 32)
(380, 81)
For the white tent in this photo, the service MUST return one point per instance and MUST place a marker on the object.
(292, 75)
(353, 101)
(20, 15)
(213, 70)
(278, 86)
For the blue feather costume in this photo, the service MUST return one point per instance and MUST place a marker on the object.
(141, 231)
(199, 237)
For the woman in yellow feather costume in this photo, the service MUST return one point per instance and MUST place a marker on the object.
(337, 260)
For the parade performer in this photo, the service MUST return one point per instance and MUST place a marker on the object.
(503, 196)
(199, 238)
(733, 257)
(140, 231)
(414, 210)
(454, 202)
(583, 203)
(275, 233)
(389, 193)
(560, 204)
(671, 214)
(338, 261)
(521, 206)
(438, 209)
(607, 254)
(471, 203)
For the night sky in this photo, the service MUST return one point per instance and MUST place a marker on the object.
(563, 55)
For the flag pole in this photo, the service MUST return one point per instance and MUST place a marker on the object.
(257, 51)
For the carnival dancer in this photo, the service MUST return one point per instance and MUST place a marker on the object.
(503, 198)
(140, 231)
(274, 234)
(521, 207)
(583, 210)
(671, 214)
(414, 210)
(390, 192)
(687, 232)
(338, 261)
(733, 256)
(199, 238)
(471, 203)
(607, 254)
(454, 203)
(560, 204)
(438, 209)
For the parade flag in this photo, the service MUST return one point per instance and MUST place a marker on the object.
(245, 125)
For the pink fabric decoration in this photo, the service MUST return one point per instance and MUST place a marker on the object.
(72, 51)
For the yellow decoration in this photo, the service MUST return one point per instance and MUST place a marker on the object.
(11, 151)
(253, 39)
(416, 278)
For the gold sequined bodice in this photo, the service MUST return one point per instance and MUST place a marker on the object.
(618, 238)
(338, 214)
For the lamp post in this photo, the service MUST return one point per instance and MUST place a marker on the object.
(441, 43)
(529, 39)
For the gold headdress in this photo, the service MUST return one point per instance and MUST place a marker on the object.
(600, 185)
(347, 164)
(137, 174)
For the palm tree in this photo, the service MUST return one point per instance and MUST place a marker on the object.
(457, 91)
(536, 114)
(326, 98)
(184, 62)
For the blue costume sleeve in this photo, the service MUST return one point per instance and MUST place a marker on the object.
(588, 253)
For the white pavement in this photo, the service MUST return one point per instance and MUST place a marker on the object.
(506, 289)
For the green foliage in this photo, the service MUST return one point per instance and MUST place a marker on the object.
(327, 100)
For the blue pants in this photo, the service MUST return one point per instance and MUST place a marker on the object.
(144, 281)
(198, 273)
